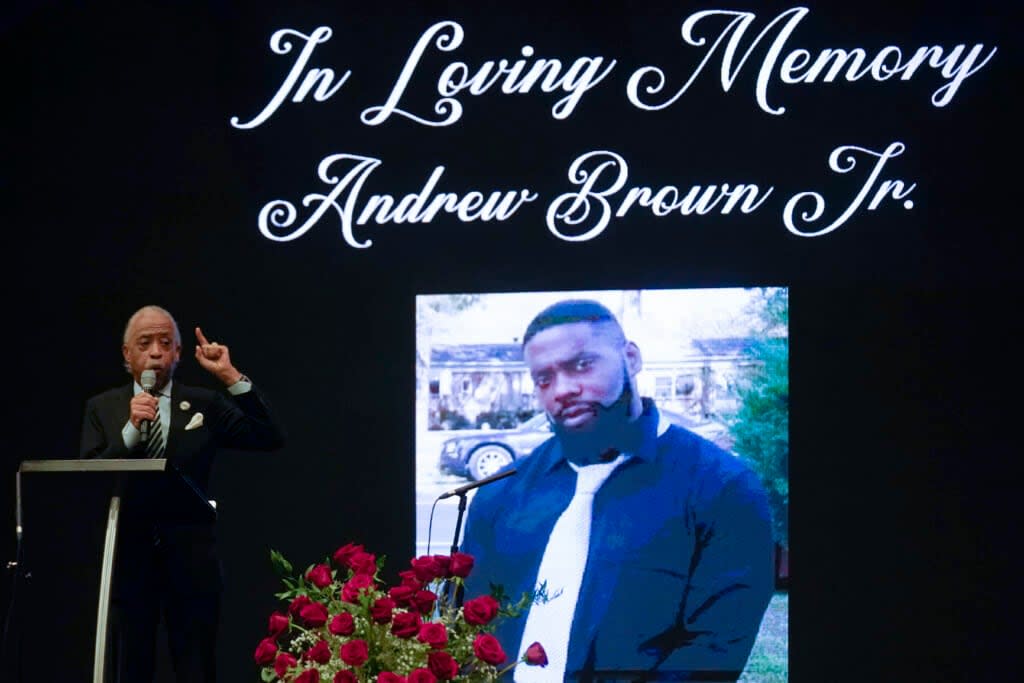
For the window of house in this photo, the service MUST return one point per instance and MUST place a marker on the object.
(685, 384)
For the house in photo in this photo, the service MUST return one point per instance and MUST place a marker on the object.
(488, 386)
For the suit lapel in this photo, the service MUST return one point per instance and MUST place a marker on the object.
(122, 408)
(179, 418)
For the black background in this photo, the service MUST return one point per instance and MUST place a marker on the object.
(125, 185)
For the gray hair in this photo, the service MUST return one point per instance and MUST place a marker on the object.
(151, 309)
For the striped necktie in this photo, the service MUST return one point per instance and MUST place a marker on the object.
(155, 445)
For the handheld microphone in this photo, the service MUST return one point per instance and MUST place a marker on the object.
(469, 487)
(147, 380)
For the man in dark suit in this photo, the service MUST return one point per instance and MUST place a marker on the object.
(163, 565)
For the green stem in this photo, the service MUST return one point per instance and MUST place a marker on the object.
(304, 630)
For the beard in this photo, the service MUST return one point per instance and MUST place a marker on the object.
(612, 431)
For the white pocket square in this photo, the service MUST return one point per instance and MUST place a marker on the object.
(195, 422)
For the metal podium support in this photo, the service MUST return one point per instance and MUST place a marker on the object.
(106, 578)
(161, 483)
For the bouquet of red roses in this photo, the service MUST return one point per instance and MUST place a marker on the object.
(342, 625)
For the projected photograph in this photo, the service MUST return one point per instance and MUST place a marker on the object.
(673, 406)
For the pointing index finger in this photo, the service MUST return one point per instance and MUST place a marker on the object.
(201, 337)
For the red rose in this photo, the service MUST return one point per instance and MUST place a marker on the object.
(319, 653)
(409, 579)
(487, 648)
(297, 604)
(342, 625)
(265, 651)
(342, 554)
(320, 576)
(406, 624)
(442, 665)
(284, 662)
(535, 655)
(461, 565)
(389, 677)
(354, 652)
(278, 624)
(434, 635)
(363, 563)
(345, 676)
(380, 610)
(480, 611)
(423, 601)
(308, 676)
(402, 595)
(422, 676)
(358, 583)
(443, 563)
(425, 568)
(314, 614)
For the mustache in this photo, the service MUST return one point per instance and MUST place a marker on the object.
(615, 408)
(596, 406)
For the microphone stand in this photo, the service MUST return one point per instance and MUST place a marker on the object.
(456, 599)
(461, 492)
(10, 643)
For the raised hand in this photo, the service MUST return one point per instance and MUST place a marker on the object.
(216, 359)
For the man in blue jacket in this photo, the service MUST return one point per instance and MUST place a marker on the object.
(653, 544)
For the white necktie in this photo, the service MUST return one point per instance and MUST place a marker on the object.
(562, 566)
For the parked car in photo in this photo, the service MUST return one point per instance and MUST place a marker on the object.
(482, 453)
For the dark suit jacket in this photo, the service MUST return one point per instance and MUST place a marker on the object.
(237, 422)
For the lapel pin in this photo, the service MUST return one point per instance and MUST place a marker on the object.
(185, 405)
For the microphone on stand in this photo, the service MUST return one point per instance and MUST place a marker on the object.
(147, 380)
(456, 596)
(472, 485)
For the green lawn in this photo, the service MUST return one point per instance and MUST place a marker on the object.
(769, 660)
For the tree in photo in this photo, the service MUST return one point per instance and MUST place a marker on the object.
(760, 427)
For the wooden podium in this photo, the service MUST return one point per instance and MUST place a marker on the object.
(68, 514)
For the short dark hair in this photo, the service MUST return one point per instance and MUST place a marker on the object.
(570, 311)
